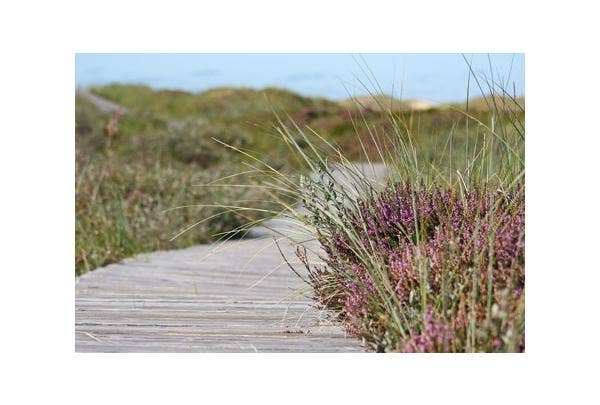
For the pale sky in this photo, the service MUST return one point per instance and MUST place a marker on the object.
(434, 77)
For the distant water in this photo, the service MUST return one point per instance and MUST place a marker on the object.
(433, 77)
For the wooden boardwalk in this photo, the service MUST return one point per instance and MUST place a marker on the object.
(100, 103)
(237, 296)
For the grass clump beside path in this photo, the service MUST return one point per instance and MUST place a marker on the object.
(434, 261)
(133, 169)
(451, 266)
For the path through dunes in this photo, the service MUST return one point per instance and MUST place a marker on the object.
(238, 296)
(223, 297)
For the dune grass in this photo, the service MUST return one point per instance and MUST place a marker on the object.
(130, 177)
(133, 169)
(434, 262)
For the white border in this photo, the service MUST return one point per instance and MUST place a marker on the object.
(37, 200)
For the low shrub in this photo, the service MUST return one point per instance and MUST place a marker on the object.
(453, 263)
(434, 259)
(126, 208)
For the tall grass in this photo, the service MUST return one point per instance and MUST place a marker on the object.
(433, 260)
(132, 170)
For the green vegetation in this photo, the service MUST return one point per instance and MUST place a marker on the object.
(434, 261)
(133, 169)
(122, 192)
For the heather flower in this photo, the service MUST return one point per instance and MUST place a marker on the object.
(434, 246)
(436, 336)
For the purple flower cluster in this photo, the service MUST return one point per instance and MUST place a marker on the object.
(436, 336)
(468, 248)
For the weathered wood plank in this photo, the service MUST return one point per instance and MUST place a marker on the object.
(203, 299)
(237, 296)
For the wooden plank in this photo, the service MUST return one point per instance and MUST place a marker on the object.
(237, 296)
(203, 299)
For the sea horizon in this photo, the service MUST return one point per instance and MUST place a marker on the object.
(438, 78)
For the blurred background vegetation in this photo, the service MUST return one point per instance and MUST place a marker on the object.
(134, 166)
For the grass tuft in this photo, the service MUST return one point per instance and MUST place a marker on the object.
(432, 260)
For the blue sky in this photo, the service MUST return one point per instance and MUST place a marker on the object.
(435, 77)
